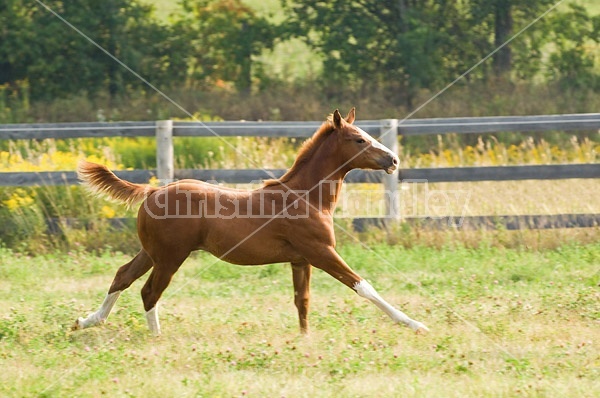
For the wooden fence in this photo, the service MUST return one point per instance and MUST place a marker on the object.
(388, 129)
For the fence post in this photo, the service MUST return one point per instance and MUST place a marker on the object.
(164, 151)
(389, 137)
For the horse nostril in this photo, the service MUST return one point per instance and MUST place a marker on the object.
(395, 161)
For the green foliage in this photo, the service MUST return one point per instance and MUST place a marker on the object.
(226, 34)
(136, 153)
(576, 37)
(377, 43)
(390, 49)
(16, 38)
(56, 61)
(407, 46)
(48, 219)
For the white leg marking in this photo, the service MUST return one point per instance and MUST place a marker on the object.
(364, 289)
(100, 315)
(153, 324)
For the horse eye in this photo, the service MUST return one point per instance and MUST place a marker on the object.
(360, 141)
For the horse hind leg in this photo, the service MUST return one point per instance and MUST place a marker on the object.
(157, 282)
(125, 276)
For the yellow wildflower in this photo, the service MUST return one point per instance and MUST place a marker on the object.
(18, 199)
(107, 212)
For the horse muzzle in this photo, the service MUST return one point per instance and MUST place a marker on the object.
(390, 164)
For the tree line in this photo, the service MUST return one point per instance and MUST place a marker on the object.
(397, 46)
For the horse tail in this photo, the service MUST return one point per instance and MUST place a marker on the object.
(100, 180)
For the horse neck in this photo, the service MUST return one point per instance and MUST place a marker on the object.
(322, 175)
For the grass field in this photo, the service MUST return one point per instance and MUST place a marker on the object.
(503, 323)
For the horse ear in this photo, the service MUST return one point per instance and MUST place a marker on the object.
(351, 115)
(337, 119)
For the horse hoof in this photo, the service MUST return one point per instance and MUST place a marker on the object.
(77, 325)
(419, 328)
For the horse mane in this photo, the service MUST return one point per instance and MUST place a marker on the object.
(307, 150)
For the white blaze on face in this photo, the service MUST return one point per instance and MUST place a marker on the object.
(375, 143)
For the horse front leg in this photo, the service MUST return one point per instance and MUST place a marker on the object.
(330, 261)
(301, 275)
(364, 289)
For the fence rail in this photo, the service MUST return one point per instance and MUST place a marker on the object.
(388, 130)
(361, 224)
(410, 127)
(490, 223)
(241, 176)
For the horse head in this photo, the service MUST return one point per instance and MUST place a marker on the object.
(358, 149)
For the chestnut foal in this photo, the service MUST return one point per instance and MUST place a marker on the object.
(289, 219)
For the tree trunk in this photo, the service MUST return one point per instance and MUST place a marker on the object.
(6, 73)
(503, 26)
(408, 93)
(112, 68)
(244, 81)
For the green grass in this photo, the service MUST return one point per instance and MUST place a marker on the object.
(592, 6)
(503, 323)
